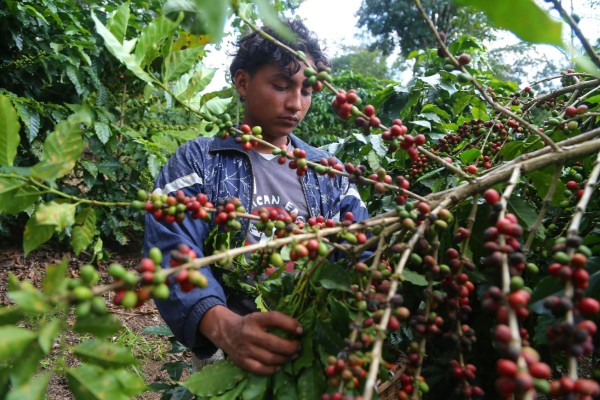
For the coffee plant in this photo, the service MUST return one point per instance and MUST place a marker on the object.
(475, 277)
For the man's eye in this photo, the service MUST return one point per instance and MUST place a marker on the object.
(279, 87)
(307, 93)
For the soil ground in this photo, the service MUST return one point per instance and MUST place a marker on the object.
(150, 350)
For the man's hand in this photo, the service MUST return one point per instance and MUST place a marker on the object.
(247, 341)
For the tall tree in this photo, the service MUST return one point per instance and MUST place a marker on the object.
(396, 23)
(370, 63)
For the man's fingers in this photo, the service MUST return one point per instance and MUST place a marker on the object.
(276, 319)
(257, 367)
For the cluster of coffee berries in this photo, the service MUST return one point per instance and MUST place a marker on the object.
(173, 208)
(515, 378)
(277, 223)
(82, 294)
(328, 166)
(299, 163)
(188, 279)
(580, 389)
(246, 138)
(410, 386)
(344, 103)
(567, 79)
(226, 212)
(382, 178)
(348, 371)
(224, 125)
(368, 120)
(315, 79)
(268, 261)
(466, 374)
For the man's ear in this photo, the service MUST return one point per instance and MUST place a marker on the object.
(241, 79)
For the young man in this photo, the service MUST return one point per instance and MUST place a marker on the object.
(269, 81)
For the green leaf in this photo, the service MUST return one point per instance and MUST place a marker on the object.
(512, 150)
(84, 230)
(103, 132)
(10, 315)
(311, 383)
(48, 333)
(256, 387)
(64, 146)
(284, 386)
(541, 180)
(19, 199)
(9, 131)
(29, 300)
(373, 159)
(104, 353)
(333, 277)
(117, 23)
(158, 330)
(327, 337)
(132, 385)
(14, 341)
(479, 109)
(215, 379)
(423, 123)
(99, 326)
(414, 278)
(35, 389)
(267, 13)
(35, 235)
(55, 278)
(200, 17)
(9, 184)
(216, 106)
(523, 210)
(91, 382)
(151, 39)
(181, 62)
(121, 51)
(26, 365)
(189, 86)
(468, 156)
(60, 215)
(523, 17)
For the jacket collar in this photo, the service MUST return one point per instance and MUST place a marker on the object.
(312, 153)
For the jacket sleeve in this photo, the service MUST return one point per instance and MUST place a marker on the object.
(183, 311)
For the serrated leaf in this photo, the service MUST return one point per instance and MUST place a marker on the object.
(117, 23)
(84, 230)
(414, 278)
(35, 235)
(60, 215)
(215, 379)
(522, 17)
(34, 389)
(14, 341)
(104, 353)
(102, 132)
(64, 146)
(48, 333)
(99, 326)
(9, 131)
(121, 51)
(468, 156)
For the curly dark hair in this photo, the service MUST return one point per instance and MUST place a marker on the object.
(254, 51)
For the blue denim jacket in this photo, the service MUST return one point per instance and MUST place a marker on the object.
(222, 169)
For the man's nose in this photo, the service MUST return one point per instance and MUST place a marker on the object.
(294, 101)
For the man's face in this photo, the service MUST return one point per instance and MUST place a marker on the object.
(275, 101)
